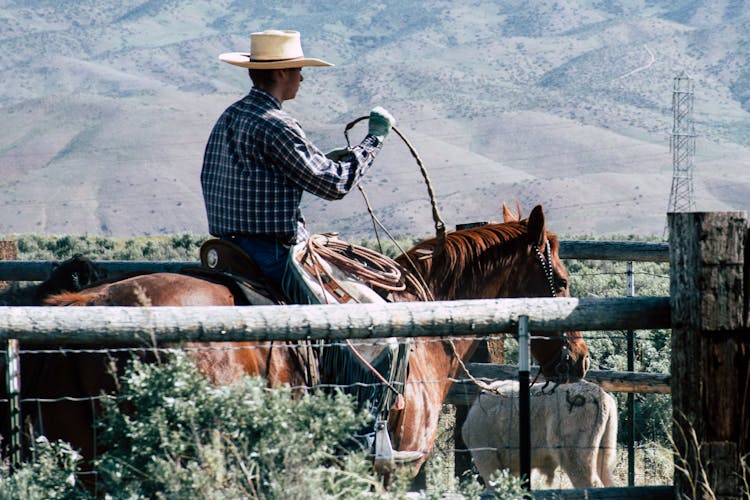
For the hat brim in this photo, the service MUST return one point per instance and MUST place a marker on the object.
(243, 60)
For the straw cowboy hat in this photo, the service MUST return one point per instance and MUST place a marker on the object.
(273, 49)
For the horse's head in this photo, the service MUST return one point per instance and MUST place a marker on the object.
(516, 258)
(562, 356)
(70, 275)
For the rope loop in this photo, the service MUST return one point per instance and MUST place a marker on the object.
(438, 221)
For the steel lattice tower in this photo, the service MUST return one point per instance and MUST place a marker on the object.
(682, 145)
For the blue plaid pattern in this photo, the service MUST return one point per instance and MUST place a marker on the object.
(257, 164)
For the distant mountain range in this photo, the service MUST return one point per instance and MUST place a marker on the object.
(106, 106)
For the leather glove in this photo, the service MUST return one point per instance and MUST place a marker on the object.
(380, 123)
(338, 154)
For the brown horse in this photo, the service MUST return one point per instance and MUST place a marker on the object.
(516, 258)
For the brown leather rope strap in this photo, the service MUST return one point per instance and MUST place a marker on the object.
(313, 266)
(382, 272)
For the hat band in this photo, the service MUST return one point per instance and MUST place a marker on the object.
(250, 59)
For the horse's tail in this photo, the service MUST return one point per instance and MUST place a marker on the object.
(606, 458)
(70, 299)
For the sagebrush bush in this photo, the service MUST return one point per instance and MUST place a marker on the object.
(171, 434)
(52, 473)
(181, 247)
(178, 436)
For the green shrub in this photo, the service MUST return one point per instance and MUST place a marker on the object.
(181, 437)
(388, 247)
(52, 473)
(181, 247)
(172, 435)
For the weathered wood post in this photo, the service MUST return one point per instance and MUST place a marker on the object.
(710, 352)
(9, 251)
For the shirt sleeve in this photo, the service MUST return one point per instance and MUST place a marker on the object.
(303, 164)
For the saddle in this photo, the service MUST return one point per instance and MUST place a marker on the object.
(225, 260)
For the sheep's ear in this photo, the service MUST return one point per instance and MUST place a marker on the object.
(536, 226)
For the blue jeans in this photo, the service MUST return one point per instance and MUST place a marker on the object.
(270, 255)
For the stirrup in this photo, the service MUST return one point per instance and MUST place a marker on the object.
(384, 462)
(386, 458)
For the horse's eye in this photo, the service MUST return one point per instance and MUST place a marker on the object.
(562, 283)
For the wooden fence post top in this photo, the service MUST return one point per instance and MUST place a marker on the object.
(710, 355)
(707, 255)
(8, 250)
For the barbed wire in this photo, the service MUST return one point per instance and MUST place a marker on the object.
(251, 345)
(94, 400)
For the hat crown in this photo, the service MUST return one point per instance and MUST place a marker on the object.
(273, 49)
(275, 45)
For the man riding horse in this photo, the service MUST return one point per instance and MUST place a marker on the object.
(258, 160)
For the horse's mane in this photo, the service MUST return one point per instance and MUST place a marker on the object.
(467, 254)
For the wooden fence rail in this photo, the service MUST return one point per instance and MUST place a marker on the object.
(464, 391)
(38, 270)
(118, 325)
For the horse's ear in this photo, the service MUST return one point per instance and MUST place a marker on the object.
(507, 214)
(536, 227)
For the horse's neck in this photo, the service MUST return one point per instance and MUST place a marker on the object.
(480, 278)
(442, 360)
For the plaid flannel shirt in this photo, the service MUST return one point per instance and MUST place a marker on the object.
(258, 162)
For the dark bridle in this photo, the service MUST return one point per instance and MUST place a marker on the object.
(562, 364)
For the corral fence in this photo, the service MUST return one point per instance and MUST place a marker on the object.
(707, 311)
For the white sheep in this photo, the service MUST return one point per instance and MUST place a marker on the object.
(573, 426)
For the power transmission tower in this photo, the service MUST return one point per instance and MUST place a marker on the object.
(682, 144)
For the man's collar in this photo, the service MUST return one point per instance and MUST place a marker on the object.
(267, 95)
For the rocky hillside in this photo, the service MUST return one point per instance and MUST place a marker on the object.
(107, 105)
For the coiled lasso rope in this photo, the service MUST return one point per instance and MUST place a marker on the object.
(373, 268)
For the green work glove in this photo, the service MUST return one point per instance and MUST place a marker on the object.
(338, 154)
(380, 122)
